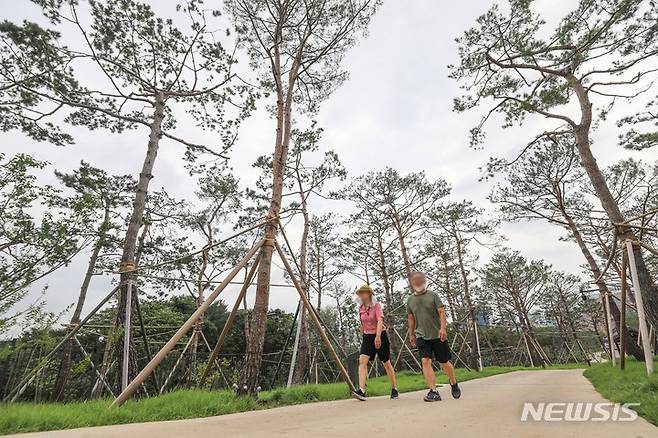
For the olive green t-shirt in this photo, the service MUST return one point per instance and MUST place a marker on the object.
(424, 309)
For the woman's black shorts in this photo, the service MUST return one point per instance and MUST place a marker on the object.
(368, 347)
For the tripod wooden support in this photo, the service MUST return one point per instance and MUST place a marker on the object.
(229, 322)
(314, 318)
(644, 331)
(166, 349)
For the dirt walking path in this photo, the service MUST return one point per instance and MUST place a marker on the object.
(490, 407)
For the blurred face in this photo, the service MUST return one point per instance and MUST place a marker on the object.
(364, 296)
(418, 281)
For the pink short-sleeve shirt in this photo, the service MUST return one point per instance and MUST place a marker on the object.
(369, 317)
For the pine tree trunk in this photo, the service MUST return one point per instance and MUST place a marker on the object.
(139, 205)
(65, 365)
(389, 317)
(254, 355)
(471, 308)
(608, 202)
(403, 247)
(446, 281)
(631, 345)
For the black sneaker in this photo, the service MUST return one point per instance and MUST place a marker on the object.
(456, 392)
(395, 393)
(360, 395)
(432, 396)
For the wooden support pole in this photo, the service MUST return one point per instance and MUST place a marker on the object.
(622, 321)
(229, 321)
(517, 350)
(216, 362)
(458, 353)
(295, 348)
(126, 336)
(314, 317)
(14, 394)
(477, 344)
(644, 331)
(404, 341)
(147, 348)
(285, 346)
(404, 344)
(148, 369)
(93, 366)
(527, 347)
(608, 330)
(180, 357)
(611, 338)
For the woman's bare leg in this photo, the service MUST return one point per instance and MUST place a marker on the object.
(363, 371)
(390, 372)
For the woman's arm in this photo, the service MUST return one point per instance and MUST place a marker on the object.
(380, 325)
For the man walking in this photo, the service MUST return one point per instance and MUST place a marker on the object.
(427, 330)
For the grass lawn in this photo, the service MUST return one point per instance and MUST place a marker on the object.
(181, 404)
(629, 386)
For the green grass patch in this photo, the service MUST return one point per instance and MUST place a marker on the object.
(189, 403)
(631, 385)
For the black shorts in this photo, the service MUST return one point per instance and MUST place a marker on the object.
(368, 347)
(434, 348)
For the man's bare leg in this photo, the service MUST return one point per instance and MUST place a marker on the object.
(428, 372)
(449, 370)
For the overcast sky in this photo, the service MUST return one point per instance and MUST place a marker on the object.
(395, 110)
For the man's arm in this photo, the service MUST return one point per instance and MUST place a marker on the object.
(412, 324)
(443, 334)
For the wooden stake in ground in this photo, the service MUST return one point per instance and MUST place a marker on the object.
(126, 335)
(229, 321)
(644, 331)
(622, 325)
(16, 392)
(314, 317)
(148, 369)
(611, 339)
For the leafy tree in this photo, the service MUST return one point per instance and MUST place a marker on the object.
(220, 199)
(562, 304)
(37, 236)
(308, 181)
(146, 64)
(545, 184)
(464, 224)
(297, 48)
(109, 196)
(405, 201)
(602, 49)
(31, 58)
(518, 285)
(648, 137)
(370, 253)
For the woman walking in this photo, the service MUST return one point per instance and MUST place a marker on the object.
(375, 341)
